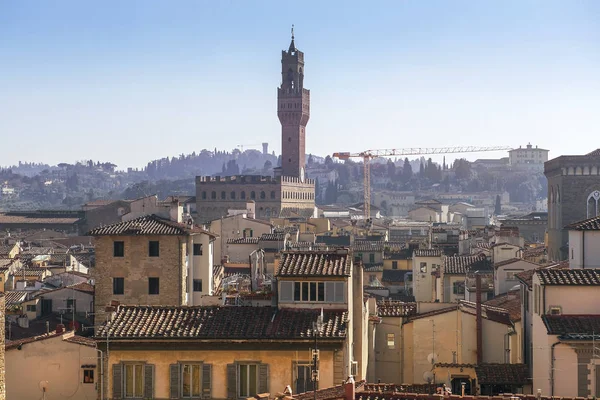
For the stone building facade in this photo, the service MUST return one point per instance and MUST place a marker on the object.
(151, 261)
(290, 191)
(2, 340)
(573, 195)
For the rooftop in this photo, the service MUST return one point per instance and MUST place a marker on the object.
(220, 323)
(461, 265)
(510, 301)
(571, 324)
(590, 224)
(427, 253)
(395, 309)
(146, 225)
(315, 263)
(571, 277)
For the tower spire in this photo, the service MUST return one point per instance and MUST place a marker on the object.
(292, 45)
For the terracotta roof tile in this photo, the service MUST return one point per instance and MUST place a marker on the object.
(242, 240)
(315, 263)
(396, 309)
(510, 301)
(15, 296)
(427, 253)
(145, 225)
(502, 374)
(571, 324)
(84, 341)
(572, 277)
(495, 314)
(148, 322)
(590, 224)
(373, 267)
(330, 393)
(460, 265)
(272, 237)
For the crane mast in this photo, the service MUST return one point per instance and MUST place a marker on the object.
(367, 155)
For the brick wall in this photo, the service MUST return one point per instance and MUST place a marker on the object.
(136, 267)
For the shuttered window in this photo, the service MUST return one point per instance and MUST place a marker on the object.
(133, 380)
(247, 379)
(190, 380)
(286, 291)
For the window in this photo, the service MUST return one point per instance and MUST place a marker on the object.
(512, 275)
(213, 195)
(248, 385)
(371, 257)
(153, 248)
(273, 198)
(71, 305)
(197, 285)
(423, 267)
(394, 264)
(232, 195)
(332, 292)
(134, 380)
(536, 299)
(243, 195)
(88, 375)
(262, 195)
(223, 195)
(31, 308)
(391, 340)
(118, 285)
(458, 287)
(191, 379)
(153, 285)
(303, 377)
(119, 249)
(252, 195)
(203, 195)
(197, 249)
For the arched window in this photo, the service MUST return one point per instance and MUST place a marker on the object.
(232, 195)
(272, 195)
(592, 204)
(268, 212)
(262, 195)
(223, 195)
(252, 195)
(213, 195)
(243, 195)
(204, 195)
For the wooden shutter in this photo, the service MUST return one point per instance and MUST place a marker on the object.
(174, 384)
(206, 381)
(287, 291)
(148, 381)
(232, 390)
(117, 381)
(263, 378)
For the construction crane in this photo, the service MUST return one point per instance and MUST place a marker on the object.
(367, 155)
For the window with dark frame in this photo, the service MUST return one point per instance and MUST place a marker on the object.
(248, 383)
(394, 264)
(153, 286)
(197, 285)
(153, 248)
(88, 375)
(118, 285)
(119, 249)
(197, 249)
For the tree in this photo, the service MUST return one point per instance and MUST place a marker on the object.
(310, 159)
(391, 169)
(498, 208)
(462, 168)
(328, 161)
(406, 171)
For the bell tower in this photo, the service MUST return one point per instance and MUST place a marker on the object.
(293, 110)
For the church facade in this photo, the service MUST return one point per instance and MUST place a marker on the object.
(289, 192)
(573, 195)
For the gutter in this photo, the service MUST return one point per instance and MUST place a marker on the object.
(552, 368)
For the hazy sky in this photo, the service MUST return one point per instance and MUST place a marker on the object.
(130, 81)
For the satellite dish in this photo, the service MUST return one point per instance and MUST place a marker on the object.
(432, 358)
(44, 386)
(428, 376)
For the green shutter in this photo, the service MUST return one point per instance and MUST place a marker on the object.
(263, 378)
(174, 384)
(117, 381)
(232, 390)
(148, 381)
(206, 381)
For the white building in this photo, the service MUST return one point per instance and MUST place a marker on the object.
(528, 158)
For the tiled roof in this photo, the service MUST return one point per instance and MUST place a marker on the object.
(427, 253)
(373, 267)
(7, 218)
(573, 277)
(495, 314)
(394, 275)
(315, 263)
(15, 296)
(367, 246)
(483, 245)
(242, 240)
(289, 212)
(434, 312)
(590, 224)
(272, 237)
(570, 324)
(150, 322)
(29, 272)
(13, 344)
(5, 249)
(459, 265)
(334, 240)
(84, 341)
(305, 245)
(594, 153)
(390, 391)
(510, 301)
(145, 225)
(395, 309)
(526, 277)
(502, 374)
(330, 393)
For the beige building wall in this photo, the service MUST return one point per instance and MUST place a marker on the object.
(136, 267)
(53, 360)
(423, 288)
(389, 351)
(280, 366)
(232, 228)
(2, 352)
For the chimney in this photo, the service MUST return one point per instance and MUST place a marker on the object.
(250, 209)
(478, 319)
(349, 389)
(176, 211)
(60, 328)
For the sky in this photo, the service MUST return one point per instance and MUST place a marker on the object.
(132, 81)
